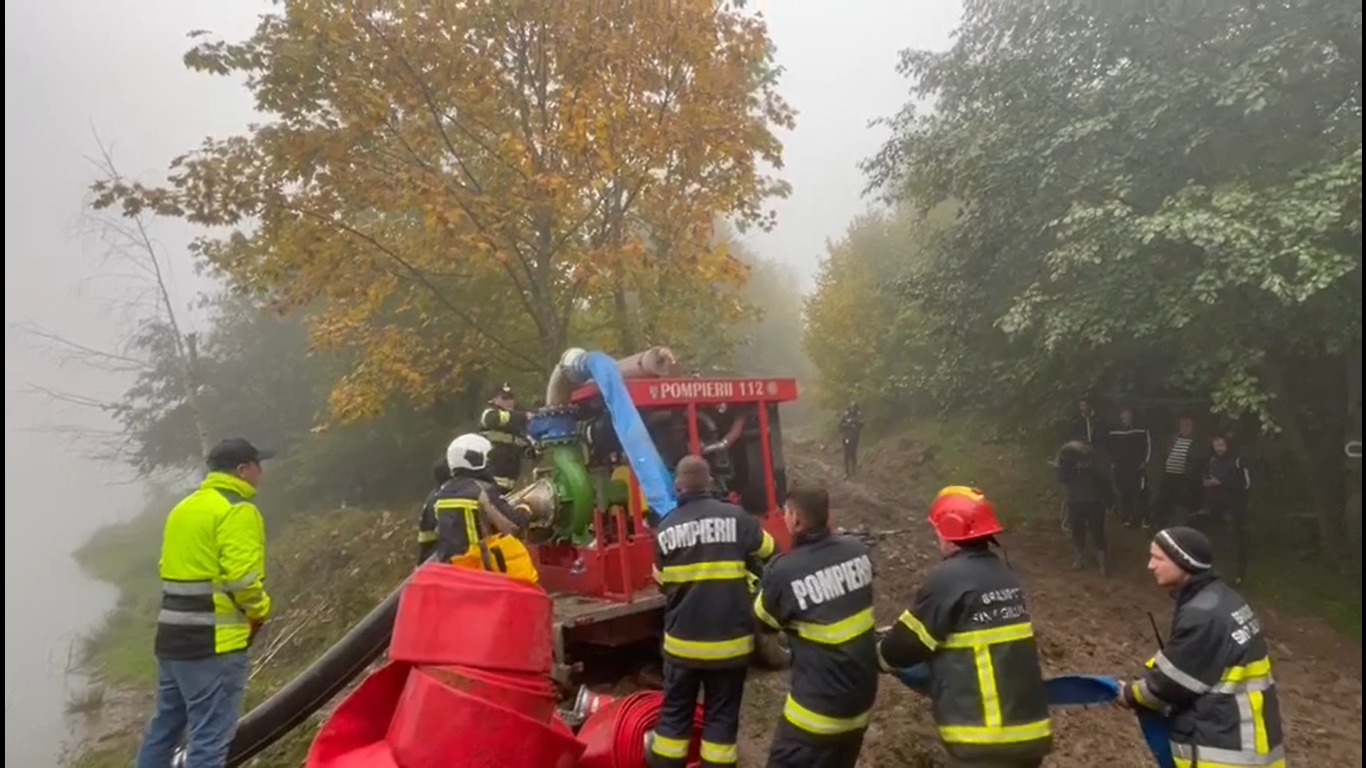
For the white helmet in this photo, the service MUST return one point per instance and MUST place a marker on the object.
(469, 452)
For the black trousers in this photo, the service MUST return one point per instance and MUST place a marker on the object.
(1230, 509)
(1131, 491)
(794, 748)
(721, 691)
(850, 455)
(1176, 491)
(1087, 518)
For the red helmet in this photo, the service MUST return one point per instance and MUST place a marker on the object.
(960, 513)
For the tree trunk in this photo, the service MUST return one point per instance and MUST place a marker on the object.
(1309, 472)
(191, 377)
(627, 339)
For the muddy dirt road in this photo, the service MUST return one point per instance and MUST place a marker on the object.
(1084, 625)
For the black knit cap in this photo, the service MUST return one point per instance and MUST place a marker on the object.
(1187, 547)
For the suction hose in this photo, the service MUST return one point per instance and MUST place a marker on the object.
(616, 734)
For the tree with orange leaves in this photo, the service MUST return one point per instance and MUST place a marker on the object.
(457, 184)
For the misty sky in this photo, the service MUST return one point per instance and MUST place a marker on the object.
(115, 65)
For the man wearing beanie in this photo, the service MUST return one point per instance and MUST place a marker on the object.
(1212, 680)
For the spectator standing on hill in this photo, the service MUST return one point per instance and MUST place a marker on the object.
(1130, 448)
(851, 426)
(1082, 472)
(1183, 465)
(1227, 482)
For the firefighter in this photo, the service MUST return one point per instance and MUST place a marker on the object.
(505, 427)
(213, 603)
(851, 426)
(970, 623)
(1212, 680)
(473, 525)
(426, 537)
(821, 594)
(700, 553)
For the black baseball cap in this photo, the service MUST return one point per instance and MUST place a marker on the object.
(234, 452)
(503, 390)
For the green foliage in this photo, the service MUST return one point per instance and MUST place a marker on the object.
(1153, 202)
(1177, 182)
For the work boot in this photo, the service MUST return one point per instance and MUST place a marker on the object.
(1079, 561)
(1102, 564)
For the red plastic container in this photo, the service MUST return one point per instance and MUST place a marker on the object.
(436, 725)
(532, 695)
(353, 736)
(461, 617)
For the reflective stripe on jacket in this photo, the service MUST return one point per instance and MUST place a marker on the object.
(213, 569)
(969, 621)
(507, 431)
(821, 594)
(465, 510)
(1213, 680)
(700, 552)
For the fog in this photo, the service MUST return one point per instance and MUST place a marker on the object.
(114, 66)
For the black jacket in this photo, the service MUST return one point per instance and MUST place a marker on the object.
(969, 621)
(464, 510)
(1130, 449)
(1213, 681)
(1088, 429)
(701, 550)
(507, 431)
(821, 594)
(1085, 478)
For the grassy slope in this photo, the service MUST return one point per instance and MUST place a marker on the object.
(325, 571)
(1020, 481)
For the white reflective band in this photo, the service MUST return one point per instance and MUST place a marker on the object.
(1192, 562)
(1182, 679)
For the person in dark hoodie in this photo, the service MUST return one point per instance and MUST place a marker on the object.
(1087, 426)
(1130, 448)
(1226, 485)
(1082, 472)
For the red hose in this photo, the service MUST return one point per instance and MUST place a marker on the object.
(615, 735)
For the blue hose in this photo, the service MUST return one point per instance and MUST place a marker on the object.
(656, 483)
(1076, 690)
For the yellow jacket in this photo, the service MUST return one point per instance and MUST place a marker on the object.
(213, 570)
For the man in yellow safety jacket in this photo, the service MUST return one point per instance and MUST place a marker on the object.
(505, 427)
(969, 622)
(213, 602)
(469, 522)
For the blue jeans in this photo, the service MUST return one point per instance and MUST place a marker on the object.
(199, 700)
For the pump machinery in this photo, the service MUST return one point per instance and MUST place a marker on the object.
(591, 498)
(606, 441)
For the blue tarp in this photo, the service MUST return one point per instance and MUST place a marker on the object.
(1077, 690)
(656, 483)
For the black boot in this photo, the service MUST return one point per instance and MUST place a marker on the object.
(1079, 559)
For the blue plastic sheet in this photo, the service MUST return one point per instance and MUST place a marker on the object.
(656, 483)
(1077, 690)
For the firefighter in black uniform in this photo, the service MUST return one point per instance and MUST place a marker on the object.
(700, 553)
(505, 427)
(468, 523)
(821, 594)
(1212, 679)
(969, 622)
(426, 536)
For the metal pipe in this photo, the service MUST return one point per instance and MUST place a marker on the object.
(733, 434)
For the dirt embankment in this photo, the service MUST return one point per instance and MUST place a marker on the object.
(1084, 624)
